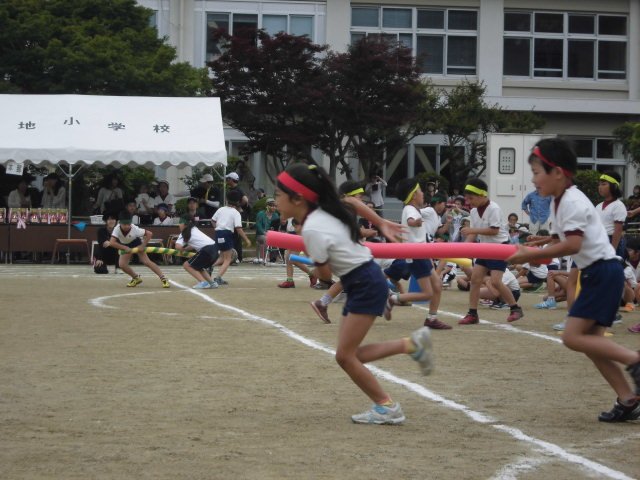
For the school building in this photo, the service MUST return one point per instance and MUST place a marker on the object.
(575, 62)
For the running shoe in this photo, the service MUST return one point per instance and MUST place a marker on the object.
(436, 324)
(421, 338)
(635, 328)
(499, 306)
(381, 415)
(213, 284)
(220, 281)
(548, 304)
(321, 310)
(485, 302)
(165, 283)
(559, 327)
(202, 285)
(469, 319)
(516, 314)
(621, 413)
(322, 285)
(134, 282)
(287, 284)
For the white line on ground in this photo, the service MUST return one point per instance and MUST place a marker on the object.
(522, 465)
(99, 301)
(547, 447)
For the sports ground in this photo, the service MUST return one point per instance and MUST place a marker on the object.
(103, 381)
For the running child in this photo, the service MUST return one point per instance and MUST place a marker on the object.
(487, 226)
(331, 239)
(126, 236)
(192, 239)
(226, 221)
(577, 231)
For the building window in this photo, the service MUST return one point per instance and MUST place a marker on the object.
(565, 45)
(444, 41)
(239, 24)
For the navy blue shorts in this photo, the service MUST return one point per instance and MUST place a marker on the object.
(224, 240)
(601, 289)
(552, 268)
(532, 279)
(366, 290)
(136, 242)
(205, 258)
(492, 264)
(420, 268)
(398, 270)
(516, 294)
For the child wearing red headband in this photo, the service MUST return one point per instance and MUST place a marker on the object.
(577, 231)
(332, 239)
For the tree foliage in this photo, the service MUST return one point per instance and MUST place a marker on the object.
(266, 88)
(628, 134)
(465, 118)
(88, 47)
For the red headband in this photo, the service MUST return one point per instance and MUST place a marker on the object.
(536, 151)
(291, 183)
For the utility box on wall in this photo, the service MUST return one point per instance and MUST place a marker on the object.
(508, 174)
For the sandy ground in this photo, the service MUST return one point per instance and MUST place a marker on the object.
(101, 381)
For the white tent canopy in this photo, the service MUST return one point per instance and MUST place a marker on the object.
(87, 129)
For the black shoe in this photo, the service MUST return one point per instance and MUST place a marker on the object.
(634, 371)
(620, 413)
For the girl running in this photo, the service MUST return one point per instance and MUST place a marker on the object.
(331, 239)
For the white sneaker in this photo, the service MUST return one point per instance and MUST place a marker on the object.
(201, 285)
(424, 353)
(559, 327)
(380, 415)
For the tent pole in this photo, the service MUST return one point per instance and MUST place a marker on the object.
(69, 176)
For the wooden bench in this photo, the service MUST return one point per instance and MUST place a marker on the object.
(69, 242)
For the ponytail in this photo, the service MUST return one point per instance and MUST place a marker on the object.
(318, 191)
(186, 231)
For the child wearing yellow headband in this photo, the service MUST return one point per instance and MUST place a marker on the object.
(612, 211)
(486, 226)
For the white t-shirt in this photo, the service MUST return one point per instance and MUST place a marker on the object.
(140, 205)
(327, 239)
(539, 271)
(135, 232)
(168, 221)
(510, 280)
(414, 234)
(227, 218)
(576, 213)
(612, 213)
(491, 218)
(375, 194)
(198, 239)
(430, 220)
(169, 200)
(630, 276)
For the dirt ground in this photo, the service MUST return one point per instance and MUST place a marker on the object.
(105, 382)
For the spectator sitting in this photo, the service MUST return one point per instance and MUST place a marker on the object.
(20, 197)
(110, 195)
(144, 204)
(163, 217)
(54, 195)
(131, 209)
(532, 275)
(165, 197)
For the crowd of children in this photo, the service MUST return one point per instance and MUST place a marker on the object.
(584, 243)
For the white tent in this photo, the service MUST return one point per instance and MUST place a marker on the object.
(85, 130)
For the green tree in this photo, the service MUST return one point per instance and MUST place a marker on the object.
(266, 90)
(628, 134)
(587, 181)
(465, 118)
(89, 47)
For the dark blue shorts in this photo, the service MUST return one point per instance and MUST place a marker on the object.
(492, 264)
(205, 258)
(420, 268)
(224, 240)
(552, 268)
(366, 290)
(516, 294)
(398, 270)
(532, 279)
(136, 242)
(601, 285)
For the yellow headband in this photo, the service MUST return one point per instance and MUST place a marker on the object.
(355, 192)
(411, 193)
(476, 190)
(609, 179)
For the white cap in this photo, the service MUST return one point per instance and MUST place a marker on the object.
(206, 178)
(233, 176)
